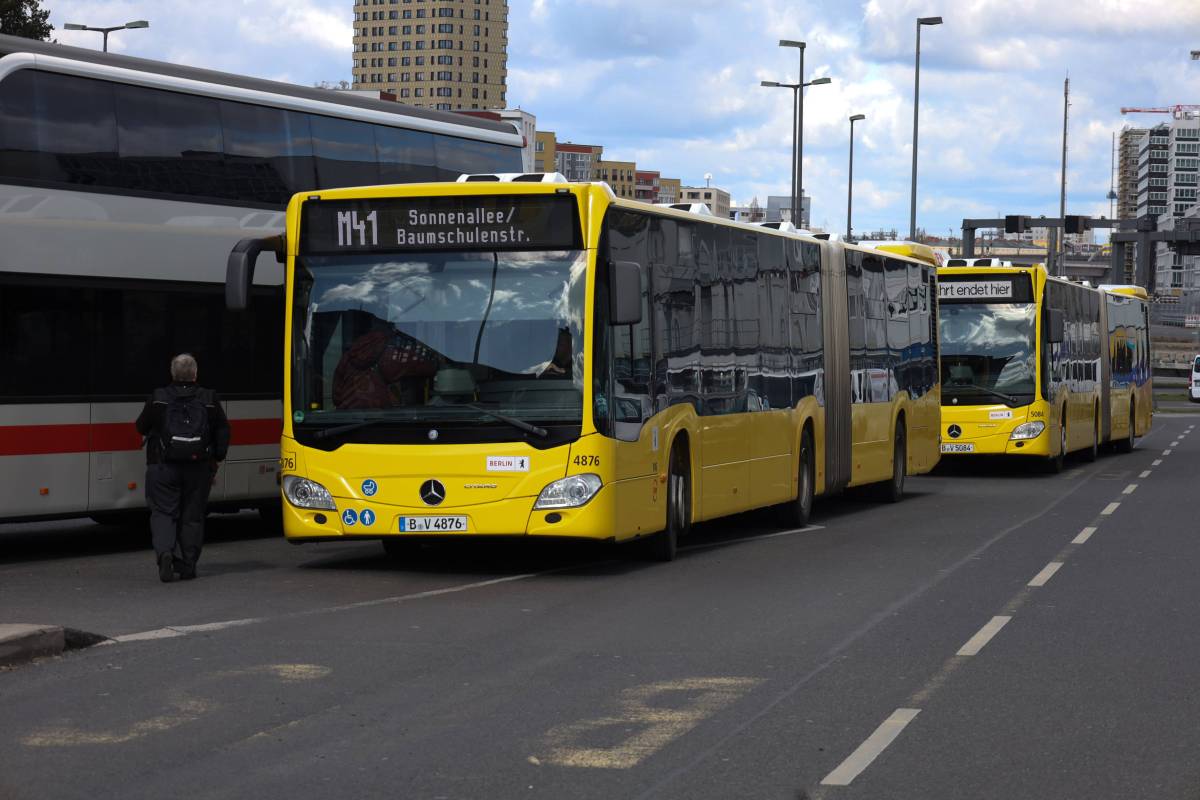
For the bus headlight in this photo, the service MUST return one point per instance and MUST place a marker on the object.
(1027, 430)
(570, 492)
(303, 493)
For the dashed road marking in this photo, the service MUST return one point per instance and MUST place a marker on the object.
(1175, 443)
(1046, 574)
(1130, 489)
(1145, 474)
(869, 750)
(1167, 452)
(985, 634)
(1084, 535)
(760, 537)
(1109, 509)
(1156, 462)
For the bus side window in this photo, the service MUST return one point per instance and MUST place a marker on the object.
(633, 368)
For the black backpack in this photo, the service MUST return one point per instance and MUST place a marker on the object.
(185, 434)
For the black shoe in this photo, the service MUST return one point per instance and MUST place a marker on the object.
(187, 573)
(166, 568)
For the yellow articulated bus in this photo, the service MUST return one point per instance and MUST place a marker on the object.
(531, 357)
(1038, 366)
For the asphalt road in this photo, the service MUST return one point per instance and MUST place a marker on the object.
(999, 633)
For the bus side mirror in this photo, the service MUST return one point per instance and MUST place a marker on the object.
(239, 270)
(626, 295)
(1055, 326)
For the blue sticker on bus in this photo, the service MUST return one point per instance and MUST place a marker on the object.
(367, 517)
(370, 487)
(349, 517)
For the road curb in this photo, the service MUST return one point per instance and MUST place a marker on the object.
(21, 643)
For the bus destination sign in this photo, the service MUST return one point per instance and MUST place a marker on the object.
(471, 222)
(980, 289)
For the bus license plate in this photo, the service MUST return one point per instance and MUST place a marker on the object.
(958, 447)
(433, 524)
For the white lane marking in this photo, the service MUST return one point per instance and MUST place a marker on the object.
(1046, 574)
(1130, 489)
(1145, 474)
(184, 630)
(985, 634)
(1156, 462)
(1110, 508)
(792, 532)
(869, 750)
(1175, 443)
(1084, 535)
(1167, 452)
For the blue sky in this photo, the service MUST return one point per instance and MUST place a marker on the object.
(673, 84)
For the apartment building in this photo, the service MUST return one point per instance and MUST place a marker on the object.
(1168, 184)
(444, 54)
(621, 176)
(716, 199)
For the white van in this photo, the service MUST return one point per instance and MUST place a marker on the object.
(1194, 381)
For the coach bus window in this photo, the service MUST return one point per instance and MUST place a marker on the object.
(632, 400)
(39, 326)
(168, 142)
(268, 153)
(463, 157)
(405, 156)
(674, 280)
(57, 128)
(345, 152)
(773, 383)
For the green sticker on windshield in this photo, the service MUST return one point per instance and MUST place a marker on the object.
(298, 416)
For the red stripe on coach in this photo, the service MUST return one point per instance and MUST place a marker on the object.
(106, 437)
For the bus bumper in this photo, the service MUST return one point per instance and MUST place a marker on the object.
(504, 518)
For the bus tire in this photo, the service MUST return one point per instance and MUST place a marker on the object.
(664, 545)
(1093, 452)
(1056, 462)
(892, 491)
(1126, 445)
(796, 513)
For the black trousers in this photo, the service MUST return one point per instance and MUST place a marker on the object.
(178, 497)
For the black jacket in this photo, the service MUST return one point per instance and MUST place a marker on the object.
(150, 421)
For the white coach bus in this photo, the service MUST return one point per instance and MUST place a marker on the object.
(124, 183)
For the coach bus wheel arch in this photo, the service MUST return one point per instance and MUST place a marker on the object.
(892, 491)
(796, 513)
(1126, 445)
(1057, 461)
(664, 544)
(1093, 452)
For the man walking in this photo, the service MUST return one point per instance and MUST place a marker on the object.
(187, 436)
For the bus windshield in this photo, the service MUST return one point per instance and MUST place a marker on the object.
(477, 339)
(988, 353)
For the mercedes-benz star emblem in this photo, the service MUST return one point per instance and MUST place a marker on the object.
(433, 434)
(433, 493)
(953, 430)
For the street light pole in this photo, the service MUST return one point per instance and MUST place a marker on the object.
(137, 23)
(797, 196)
(850, 182)
(912, 214)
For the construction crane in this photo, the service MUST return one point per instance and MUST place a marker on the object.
(1182, 111)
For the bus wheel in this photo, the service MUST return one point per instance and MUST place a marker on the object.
(1126, 444)
(664, 544)
(893, 490)
(1056, 462)
(795, 514)
(1093, 452)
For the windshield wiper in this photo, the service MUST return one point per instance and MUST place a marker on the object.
(350, 426)
(1008, 398)
(520, 424)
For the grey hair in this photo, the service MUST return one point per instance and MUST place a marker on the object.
(183, 368)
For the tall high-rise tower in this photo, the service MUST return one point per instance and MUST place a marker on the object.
(446, 54)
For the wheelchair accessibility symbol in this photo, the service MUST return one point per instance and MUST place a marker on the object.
(349, 517)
